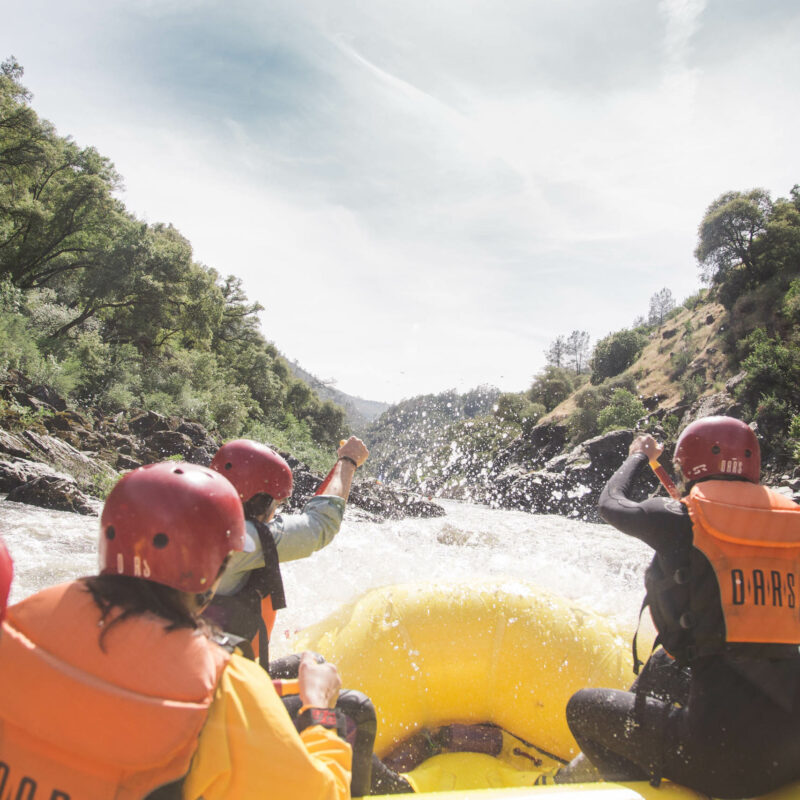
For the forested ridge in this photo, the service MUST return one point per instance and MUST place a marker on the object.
(115, 314)
(733, 347)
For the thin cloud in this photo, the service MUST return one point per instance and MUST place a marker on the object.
(425, 195)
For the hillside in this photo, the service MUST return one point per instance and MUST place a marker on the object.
(707, 357)
(684, 359)
(359, 412)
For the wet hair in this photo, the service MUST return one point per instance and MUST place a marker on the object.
(257, 505)
(136, 596)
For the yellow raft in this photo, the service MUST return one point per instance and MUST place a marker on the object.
(452, 662)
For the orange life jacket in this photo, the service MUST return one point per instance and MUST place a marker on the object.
(751, 537)
(79, 722)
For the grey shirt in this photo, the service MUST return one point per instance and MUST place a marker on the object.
(296, 536)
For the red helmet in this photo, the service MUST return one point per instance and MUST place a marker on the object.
(253, 468)
(6, 574)
(170, 523)
(718, 446)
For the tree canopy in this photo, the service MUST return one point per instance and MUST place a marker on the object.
(116, 310)
(615, 353)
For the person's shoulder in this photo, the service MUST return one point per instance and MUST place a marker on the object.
(241, 671)
(664, 505)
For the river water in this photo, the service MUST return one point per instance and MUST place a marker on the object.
(593, 565)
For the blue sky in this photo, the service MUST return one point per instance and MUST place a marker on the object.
(424, 195)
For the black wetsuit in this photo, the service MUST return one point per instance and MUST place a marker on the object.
(722, 724)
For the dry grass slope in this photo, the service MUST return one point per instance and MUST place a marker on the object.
(688, 348)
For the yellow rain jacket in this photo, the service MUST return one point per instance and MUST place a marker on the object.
(152, 707)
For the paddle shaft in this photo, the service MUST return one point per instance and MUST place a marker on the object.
(665, 479)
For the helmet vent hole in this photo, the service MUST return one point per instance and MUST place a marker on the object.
(110, 532)
(160, 541)
(715, 450)
(748, 453)
(228, 465)
(178, 471)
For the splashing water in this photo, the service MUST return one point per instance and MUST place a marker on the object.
(594, 565)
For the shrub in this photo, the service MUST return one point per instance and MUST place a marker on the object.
(582, 423)
(680, 361)
(515, 407)
(691, 388)
(791, 301)
(623, 411)
(551, 386)
(772, 370)
(694, 300)
(794, 437)
(616, 353)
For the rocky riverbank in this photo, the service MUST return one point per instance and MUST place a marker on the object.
(534, 474)
(67, 459)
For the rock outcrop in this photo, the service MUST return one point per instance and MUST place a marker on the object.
(68, 455)
(533, 474)
(51, 491)
(568, 484)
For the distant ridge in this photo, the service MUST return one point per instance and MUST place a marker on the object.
(360, 412)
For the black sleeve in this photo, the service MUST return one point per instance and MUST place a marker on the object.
(662, 523)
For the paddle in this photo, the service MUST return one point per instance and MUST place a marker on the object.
(286, 686)
(665, 479)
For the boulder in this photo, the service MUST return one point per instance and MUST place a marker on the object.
(200, 455)
(12, 445)
(48, 395)
(534, 448)
(570, 483)
(721, 403)
(17, 471)
(200, 436)
(91, 440)
(121, 443)
(390, 503)
(67, 421)
(304, 486)
(148, 422)
(125, 463)
(29, 401)
(66, 458)
(165, 443)
(60, 494)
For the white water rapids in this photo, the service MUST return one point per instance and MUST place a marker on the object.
(594, 565)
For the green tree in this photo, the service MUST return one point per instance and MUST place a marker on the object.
(577, 350)
(615, 353)
(624, 410)
(661, 303)
(728, 232)
(582, 422)
(772, 370)
(59, 213)
(115, 311)
(556, 354)
(551, 386)
(778, 250)
(516, 408)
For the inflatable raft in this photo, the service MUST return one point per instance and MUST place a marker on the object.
(470, 684)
